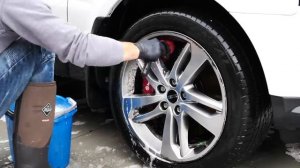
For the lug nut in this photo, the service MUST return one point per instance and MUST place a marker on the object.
(173, 82)
(183, 95)
(164, 105)
(177, 110)
(161, 89)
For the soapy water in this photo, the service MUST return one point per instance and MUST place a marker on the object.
(293, 150)
(78, 123)
(75, 132)
(3, 119)
(4, 141)
(100, 149)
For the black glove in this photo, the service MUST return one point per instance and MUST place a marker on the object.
(151, 50)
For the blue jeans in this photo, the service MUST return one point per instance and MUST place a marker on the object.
(20, 64)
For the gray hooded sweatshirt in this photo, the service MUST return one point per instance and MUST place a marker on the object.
(33, 21)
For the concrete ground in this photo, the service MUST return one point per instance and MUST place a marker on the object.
(97, 143)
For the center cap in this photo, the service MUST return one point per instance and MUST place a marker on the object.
(172, 96)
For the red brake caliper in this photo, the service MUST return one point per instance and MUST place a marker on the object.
(147, 88)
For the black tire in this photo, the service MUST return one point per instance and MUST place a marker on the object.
(245, 127)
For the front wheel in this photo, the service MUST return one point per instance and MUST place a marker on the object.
(194, 108)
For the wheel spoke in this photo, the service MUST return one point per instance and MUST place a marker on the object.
(159, 71)
(193, 95)
(194, 67)
(183, 130)
(137, 101)
(150, 78)
(148, 116)
(168, 149)
(213, 123)
(174, 74)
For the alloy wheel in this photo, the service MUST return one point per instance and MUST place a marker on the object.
(179, 114)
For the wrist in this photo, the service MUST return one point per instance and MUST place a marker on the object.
(131, 51)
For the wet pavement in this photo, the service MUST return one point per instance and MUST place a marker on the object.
(97, 143)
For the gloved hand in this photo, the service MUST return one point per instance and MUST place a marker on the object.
(151, 50)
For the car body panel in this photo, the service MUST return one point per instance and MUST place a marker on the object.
(82, 13)
(282, 7)
(271, 25)
(276, 39)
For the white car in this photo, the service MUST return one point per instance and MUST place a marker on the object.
(233, 65)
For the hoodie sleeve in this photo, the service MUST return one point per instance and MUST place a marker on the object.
(34, 21)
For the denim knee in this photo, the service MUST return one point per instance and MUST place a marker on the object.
(19, 51)
(47, 56)
(44, 71)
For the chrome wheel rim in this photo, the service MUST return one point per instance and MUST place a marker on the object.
(179, 104)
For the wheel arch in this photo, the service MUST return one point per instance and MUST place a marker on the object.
(130, 11)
